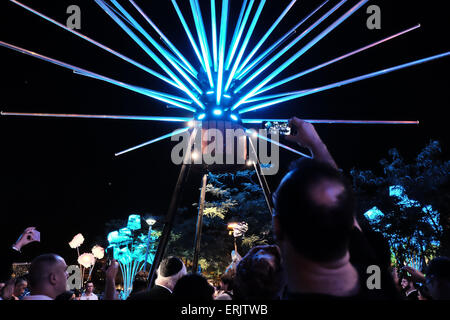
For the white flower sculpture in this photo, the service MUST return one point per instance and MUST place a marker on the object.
(87, 260)
(76, 241)
(98, 252)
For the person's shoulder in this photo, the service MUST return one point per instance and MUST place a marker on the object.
(155, 293)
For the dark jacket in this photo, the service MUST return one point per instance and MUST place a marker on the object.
(155, 293)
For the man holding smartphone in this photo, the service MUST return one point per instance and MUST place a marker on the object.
(14, 253)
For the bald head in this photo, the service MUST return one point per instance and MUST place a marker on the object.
(314, 210)
(48, 275)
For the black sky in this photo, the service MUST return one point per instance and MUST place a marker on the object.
(61, 175)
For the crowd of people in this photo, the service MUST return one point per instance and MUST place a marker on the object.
(321, 253)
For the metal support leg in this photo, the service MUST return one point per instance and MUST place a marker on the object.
(198, 231)
(164, 239)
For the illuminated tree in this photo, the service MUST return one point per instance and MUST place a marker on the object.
(409, 204)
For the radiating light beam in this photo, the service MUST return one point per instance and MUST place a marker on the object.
(222, 40)
(214, 34)
(284, 50)
(119, 14)
(150, 53)
(166, 40)
(189, 34)
(97, 116)
(298, 75)
(165, 97)
(282, 146)
(117, 54)
(327, 121)
(153, 141)
(240, 27)
(182, 65)
(298, 94)
(266, 35)
(278, 43)
(147, 92)
(203, 30)
(268, 97)
(202, 39)
(244, 44)
(169, 57)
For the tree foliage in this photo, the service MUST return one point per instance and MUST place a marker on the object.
(414, 200)
(230, 197)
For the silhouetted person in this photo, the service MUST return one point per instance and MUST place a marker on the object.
(226, 286)
(313, 221)
(193, 287)
(438, 278)
(170, 270)
(260, 275)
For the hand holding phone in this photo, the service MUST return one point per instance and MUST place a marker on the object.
(29, 235)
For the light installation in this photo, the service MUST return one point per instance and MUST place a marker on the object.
(132, 249)
(230, 78)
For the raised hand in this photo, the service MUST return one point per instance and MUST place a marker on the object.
(29, 235)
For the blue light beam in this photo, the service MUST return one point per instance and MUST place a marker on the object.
(97, 116)
(165, 97)
(298, 75)
(280, 144)
(298, 94)
(278, 43)
(152, 141)
(240, 26)
(117, 54)
(268, 33)
(147, 92)
(169, 57)
(328, 121)
(189, 34)
(166, 40)
(202, 39)
(223, 39)
(150, 53)
(214, 34)
(244, 44)
(286, 49)
(302, 51)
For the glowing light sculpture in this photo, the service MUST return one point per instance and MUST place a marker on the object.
(221, 85)
(132, 249)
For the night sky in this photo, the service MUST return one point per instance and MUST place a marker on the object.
(61, 175)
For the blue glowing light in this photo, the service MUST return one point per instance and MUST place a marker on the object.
(132, 249)
(222, 71)
(374, 214)
(134, 222)
(222, 41)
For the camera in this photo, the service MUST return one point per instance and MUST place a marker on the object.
(279, 128)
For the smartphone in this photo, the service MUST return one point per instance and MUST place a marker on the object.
(279, 128)
(109, 257)
(36, 234)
